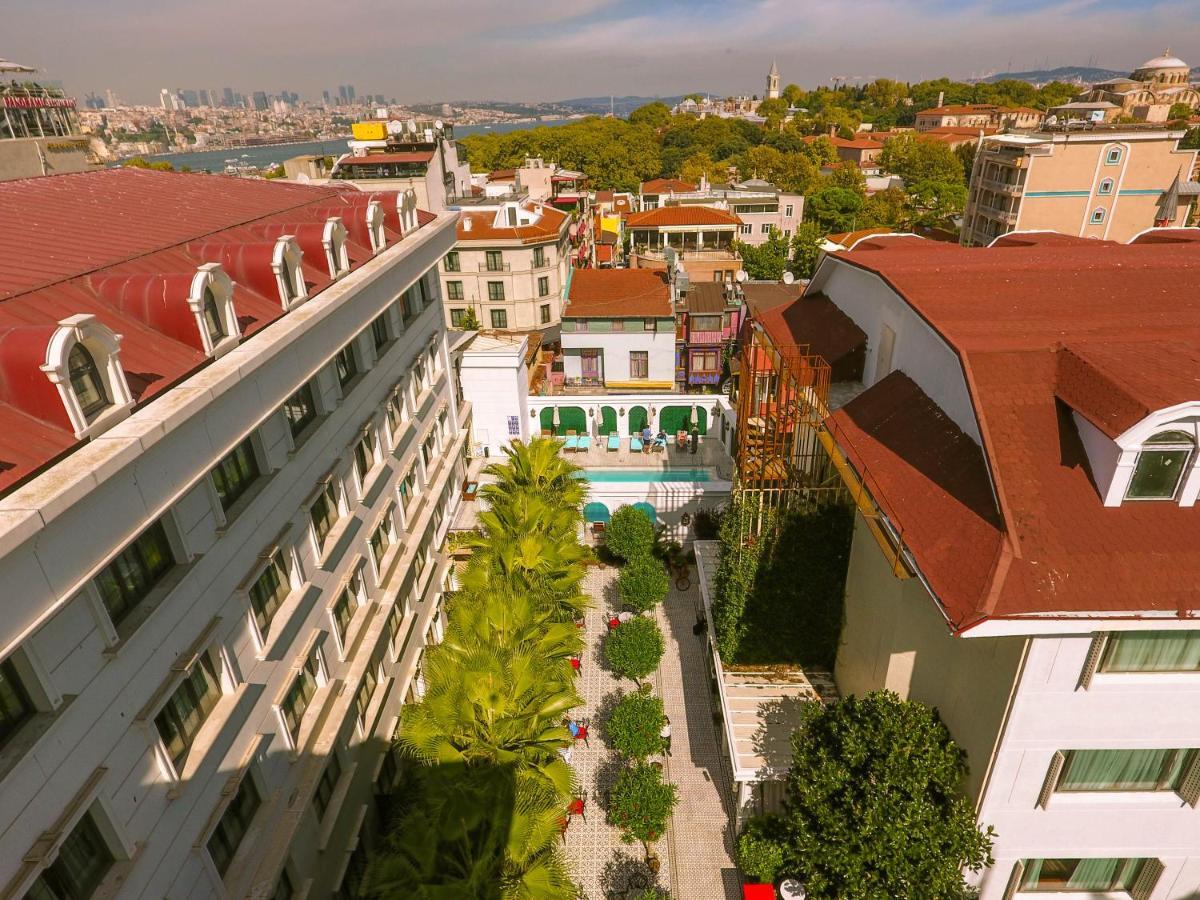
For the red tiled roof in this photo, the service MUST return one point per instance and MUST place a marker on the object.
(1007, 312)
(816, 322)
(123, 245)
(857, 143)
(961, 109)
(666, 185)
(602, 293)
(482, 226)
(375, 159)
(604, 196)
(681, 215)
(604, 252)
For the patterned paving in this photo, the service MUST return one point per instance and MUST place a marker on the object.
(696, 852)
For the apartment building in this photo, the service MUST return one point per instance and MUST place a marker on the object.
(618, 330)
(510, 264)
(699, 238)
(757, 203)
(978, 115)
(1108, 183)
(1020, 435)
(229, 450)
(708, 317)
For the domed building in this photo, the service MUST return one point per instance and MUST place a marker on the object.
(1149, 92)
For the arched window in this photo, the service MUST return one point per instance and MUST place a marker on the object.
(212, 317)
(1098, 215)
(1160, 466)
(86, 381)
(1106, 186)
(287, 283)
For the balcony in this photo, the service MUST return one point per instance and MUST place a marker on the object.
(707, 337)
(495, 267)
(1008, 217)
(1002, 187)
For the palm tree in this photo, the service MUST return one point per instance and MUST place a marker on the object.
(539, 467)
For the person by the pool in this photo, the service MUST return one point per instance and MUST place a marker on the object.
(646, 435)
(661, 439)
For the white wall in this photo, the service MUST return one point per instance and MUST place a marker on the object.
(496, 384)
(615, 347)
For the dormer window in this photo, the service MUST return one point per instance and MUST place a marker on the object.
(212, 317)
(334, 240)
(86, 382)
(211, 302)
(375, 226)
(285, 261)
(1161, 465)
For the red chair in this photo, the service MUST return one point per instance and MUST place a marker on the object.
(582, 735)
(578, 807)
(758, 892)
(613, 623)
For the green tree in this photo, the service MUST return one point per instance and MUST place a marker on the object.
(737, 568)
(791, 93)
(874, 805)
(760, 162)
(821, 150)
(1179, 111)
(806, 248)
(834, 208)
(915, 158)
(635, 648)
(656, 115)
(796, 174)
(848, 175)
(635, 725)
(697, 166)
(630, 534)
(890, 208)
(139, 162)
(761, 847)
(773, 108)
(470, 321)
(640, 803)
(642, 583)
(768, 260)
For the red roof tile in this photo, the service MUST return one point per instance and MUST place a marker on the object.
(681, 215)
(1007, 311)
(123, 245)
(618, 292)
(816, 322)
(666, 185)
(480, 226)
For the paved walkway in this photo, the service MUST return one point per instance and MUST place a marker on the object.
(697, 862)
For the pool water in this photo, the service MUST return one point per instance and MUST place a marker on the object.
(612, 476)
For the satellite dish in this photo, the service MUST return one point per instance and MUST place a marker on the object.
(412, 125)
(742, 276)
(788, 277)
(438, 124)
(395, 126)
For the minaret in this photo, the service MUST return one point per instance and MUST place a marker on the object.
(773, 82)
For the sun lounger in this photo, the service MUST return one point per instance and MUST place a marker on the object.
(614, 442)
(585, 442)
(571, 443)
(635, 445)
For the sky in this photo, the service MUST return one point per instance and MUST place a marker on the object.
(558, 49)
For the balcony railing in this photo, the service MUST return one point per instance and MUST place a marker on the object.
(495, 267)
(1001, 187)
(707, 337)
(1007, 216)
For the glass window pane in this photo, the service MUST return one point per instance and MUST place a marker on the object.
(1152, 651)
(129, 578)
(1157, 474)
(235, 473)
(1122, 770)
(83, 860)
(227, 836)
(86, 381)
(15, 706)
(300, 409)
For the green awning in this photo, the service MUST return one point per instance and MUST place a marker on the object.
(596, 512)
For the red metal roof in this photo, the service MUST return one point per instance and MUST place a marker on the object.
(681, 215)
(1008, 312)
(123, 245)
(666, 185)
(375, 159)
(604, 293)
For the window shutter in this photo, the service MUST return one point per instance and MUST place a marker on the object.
(1189, 790)
(1014, 880)
(1099, 642)
(1146, 880)
(1056, 764)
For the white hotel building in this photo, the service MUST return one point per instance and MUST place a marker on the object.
(229, 450)
(1023, 444)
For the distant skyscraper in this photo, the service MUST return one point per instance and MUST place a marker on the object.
(350, 95)
(203, 97)
(188, 98)
(111, 99)
(326, 99)
(260, 100)
(164, 97)
(343, 94)
(227, 97)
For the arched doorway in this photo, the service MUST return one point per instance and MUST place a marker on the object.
(637, 419)
(608, 420)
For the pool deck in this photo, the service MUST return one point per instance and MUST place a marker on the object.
(709, 455)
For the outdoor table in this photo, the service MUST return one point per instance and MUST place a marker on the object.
(792, 889)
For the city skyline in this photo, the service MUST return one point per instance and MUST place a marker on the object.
(597, 47)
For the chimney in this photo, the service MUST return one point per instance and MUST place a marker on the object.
(941, 97)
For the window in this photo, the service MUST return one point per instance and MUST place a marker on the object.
(295, 701)
(499, 318)
(1152, 651)
(394, 622)
(543, 285)
(366, 689)
(495, 260)
(1124, 770)
(212, 317)
(787, 232)
(764, 229)
(544, 313)
(324, 513)
(326, 786)
(495, 290)
(1160, 466)
(364, 455)
(300, 409)
(456, 317)
(719, 275)
(356, 872)
(617, 325)
(1113, 157)
(86, 381)
(15, 706)
(451, 263)
(1098, 215)
(407, 489)
(395, 411)
(268, 592)
(235, 822)
(706, 361)
(235, 473)
(747, 229)
(539, 257)
(706, 323)
(188, 709)
(383, 536)
(343, 612)
(787, 211)
(647, 324)
(127, 580)
(346, 364)
(1106, 186)
(379, 332)
(639, 364)
(82, 862)
(454, 290)
(1081, 875)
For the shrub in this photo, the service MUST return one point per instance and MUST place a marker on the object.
(630, 533)
(737, 569)
(760, 849)
(707, 524)
(635, 725)
(634, 648)
(640, 803)
(642, 583)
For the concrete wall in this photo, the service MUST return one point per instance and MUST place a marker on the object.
(496, 384)
(615, 348)
(20, 158)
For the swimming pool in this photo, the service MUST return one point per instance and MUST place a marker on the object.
(627, 476)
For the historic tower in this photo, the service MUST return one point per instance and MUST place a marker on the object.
(773, 82)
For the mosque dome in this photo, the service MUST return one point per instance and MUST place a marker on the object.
(1166, 61)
